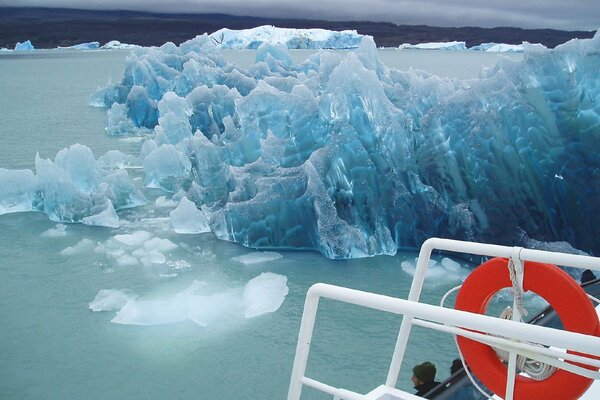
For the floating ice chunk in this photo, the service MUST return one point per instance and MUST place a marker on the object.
(187, 218)
(152, 257)
(58, 231)
(108, 217)
(134, 239)
(179, 264)
(151, 312)
(82, 246)
(445, 271)
(110, 300)
(17, 190)
(126, 260)
(159, 245)
(450, 265)
(257, 257)
(264, 294)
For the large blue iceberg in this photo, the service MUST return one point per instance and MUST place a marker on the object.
(342, 155)
(346, 157)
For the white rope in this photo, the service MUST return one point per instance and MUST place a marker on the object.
(517, 287)
(536, 370)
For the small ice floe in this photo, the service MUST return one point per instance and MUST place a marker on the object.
(446, 270)
(257, 257)
(134, 239)
(111, 300)
(82, 246)
(197, 303)
(58, 231)
(264, 294)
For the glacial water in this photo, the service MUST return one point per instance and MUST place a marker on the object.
(53, 346)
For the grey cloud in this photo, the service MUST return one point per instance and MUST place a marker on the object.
(557, 14)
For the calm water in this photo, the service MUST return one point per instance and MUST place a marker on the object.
(53, 347)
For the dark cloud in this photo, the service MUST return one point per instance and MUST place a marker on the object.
(557, 14)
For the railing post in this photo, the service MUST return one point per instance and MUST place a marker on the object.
(303, 347)
(407, 319)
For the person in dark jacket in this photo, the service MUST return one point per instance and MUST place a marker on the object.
(424, 378)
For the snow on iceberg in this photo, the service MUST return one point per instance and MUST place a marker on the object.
(435, 46)
(293, 38)
(343, 156)
(72, 188)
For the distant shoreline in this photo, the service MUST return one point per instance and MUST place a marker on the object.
(50, 28)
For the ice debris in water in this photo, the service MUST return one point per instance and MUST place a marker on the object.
(111, 300)
(58, 231)
(72, 188)
(257, 257)
(263, 294)
(444, 271)
(187, 218)
(131, 249)
(82, 246)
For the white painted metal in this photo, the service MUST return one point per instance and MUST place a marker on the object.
(452, 321)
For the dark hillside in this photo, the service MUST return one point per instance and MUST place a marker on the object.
(50, 28)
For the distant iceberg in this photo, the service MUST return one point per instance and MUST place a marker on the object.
(116, 45)
(26, 45)
(292, 38)
(346, 157)
(435, 46)
(83, 46)
(505, 48)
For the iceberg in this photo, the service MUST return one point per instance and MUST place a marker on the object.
(344, 156)
(435, 46)
(116, 45)
(505, 48)
(23, 46)
(292, 38)
(83, 46)
(72, 188)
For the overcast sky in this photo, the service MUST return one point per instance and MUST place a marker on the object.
(557, 14)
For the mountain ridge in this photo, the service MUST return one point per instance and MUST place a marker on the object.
(53, 27)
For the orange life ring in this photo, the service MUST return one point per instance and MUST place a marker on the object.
(567, 298)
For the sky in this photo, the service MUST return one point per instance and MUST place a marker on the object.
(555, 14)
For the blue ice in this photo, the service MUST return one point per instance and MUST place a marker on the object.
(344, 156)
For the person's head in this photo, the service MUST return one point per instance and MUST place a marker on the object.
(587, 276)
(423, 373)
(456, 366)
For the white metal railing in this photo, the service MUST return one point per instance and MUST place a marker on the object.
(490, 330)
